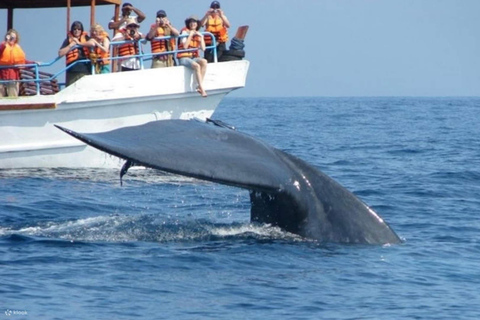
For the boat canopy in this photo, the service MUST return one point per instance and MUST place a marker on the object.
(10, 5)
(32, 4)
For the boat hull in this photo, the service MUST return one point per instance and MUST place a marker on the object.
(105, 102)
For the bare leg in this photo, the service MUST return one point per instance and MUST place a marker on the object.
(203, 67)
(198, 76)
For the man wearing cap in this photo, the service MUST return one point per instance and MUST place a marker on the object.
(130, 34)
(127, 9)
(215, 21)
(162, 28)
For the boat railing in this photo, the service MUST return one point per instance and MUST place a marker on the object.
(35, 82)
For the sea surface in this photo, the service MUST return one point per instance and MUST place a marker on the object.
(74, 244)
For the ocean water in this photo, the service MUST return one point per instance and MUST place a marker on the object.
(74, 244)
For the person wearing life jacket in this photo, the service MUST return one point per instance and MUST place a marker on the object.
(127, 14)
(216, 22)
(162, 28)
(190, 38)
(131, 47)
(99, 45)
(75, 48)
(10, 54)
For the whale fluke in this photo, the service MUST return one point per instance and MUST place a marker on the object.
(284, 190)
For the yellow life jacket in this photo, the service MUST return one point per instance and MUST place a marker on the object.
(216, 27)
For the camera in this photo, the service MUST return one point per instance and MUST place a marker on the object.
(132, 33)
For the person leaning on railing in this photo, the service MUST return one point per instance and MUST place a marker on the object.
(11, 54)
(73, 53)
(162, 28)
(191, 59)
(99, 44)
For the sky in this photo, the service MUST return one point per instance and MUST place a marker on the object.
(330, 48)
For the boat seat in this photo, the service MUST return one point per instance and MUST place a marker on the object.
(47, 86)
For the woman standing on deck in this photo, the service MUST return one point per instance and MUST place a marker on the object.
(191, 59)
(10, 54)
(99, 44)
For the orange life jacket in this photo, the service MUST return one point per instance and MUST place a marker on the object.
(74, 55)
(12, 55)
(100, 54)
(194, 43)
(127, 49)
(161, 45)
(216, 27)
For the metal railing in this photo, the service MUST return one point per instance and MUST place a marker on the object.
(43, 77)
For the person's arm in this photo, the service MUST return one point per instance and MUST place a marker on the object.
(187, 40)
(152, 33)
(112, 25)
(222, 15)
(140, 15)
(2, 47)
(172, 28)
(205, 17)
(67, 46)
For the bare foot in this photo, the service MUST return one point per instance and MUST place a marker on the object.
(202, 92)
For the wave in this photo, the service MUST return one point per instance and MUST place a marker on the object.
(148, 228)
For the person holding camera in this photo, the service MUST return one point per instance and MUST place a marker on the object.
(215, 21)
(192, 39)
(162, 28)
(127, 9)
(11, 54)
(131, 35)
(74, 49)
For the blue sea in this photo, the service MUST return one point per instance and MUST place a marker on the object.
(74, 244)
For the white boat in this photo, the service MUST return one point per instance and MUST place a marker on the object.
(104, 102)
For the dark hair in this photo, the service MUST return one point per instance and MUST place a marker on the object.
(187, 22)
(126, 4)
(76, 24)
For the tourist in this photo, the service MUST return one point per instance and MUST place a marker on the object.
(99, 44)
(191, 59)
(162, 28)
(131, 34)
(74, 48)
(127, 9)
(11, 54)
(215, 21)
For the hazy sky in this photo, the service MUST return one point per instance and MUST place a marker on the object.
(319, 47)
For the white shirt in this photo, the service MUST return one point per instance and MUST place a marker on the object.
(131, 63)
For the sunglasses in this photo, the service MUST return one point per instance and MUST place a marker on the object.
(76, 29)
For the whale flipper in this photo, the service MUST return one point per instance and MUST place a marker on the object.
(284, 190)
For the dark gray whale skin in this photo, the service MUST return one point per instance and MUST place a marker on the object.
(284, 191)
